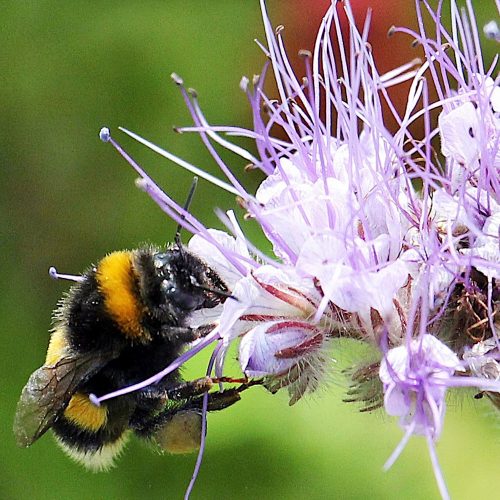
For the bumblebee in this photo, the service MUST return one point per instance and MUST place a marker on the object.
(125, 320)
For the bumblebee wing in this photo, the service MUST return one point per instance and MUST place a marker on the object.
(49, 390)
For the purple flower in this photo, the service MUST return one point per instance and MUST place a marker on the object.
(357, 250)
(414, 378)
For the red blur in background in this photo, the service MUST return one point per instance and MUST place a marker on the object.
(302, 19)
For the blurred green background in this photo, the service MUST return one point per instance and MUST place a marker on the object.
(67, 199)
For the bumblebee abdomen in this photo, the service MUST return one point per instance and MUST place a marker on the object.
(96, 457)
(84, 414)
(94, 436)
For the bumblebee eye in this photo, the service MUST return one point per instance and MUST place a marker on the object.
(183, 300)
(186, 301)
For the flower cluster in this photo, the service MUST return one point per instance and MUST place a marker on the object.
(391, 239)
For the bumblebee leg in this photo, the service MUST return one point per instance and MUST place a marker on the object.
(216, 401)
(186, 334)
(178, 391)
(146, 425)
(177, 428)
(186, 390)
(222, 399)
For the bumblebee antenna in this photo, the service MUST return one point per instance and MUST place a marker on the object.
(177, 238)
(215, 291)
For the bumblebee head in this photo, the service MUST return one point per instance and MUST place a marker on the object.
(180, 275)
(176, 282)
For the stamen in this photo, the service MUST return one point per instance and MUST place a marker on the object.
(141, 184)
(70, 277)
(400, 447)
(177, 79)
(184, 164)
(147, 185)
(244, 84)
(94, 400)
(104, 134)
(204, 411)
(438, 473)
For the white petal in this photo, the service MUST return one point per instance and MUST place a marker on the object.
(216, 259)
(436, 352)
(459, 131)
(395, 402)
(394, 365)
(253, 299)
(258, 350)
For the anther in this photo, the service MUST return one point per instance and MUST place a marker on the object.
(306, 54)
(177, 79)
(241, 202)
(391, 31)
(492, 31)
(244, 84)
(53, 273)
(141, 184)
(104, 134)
(279, 29)
(192, 92)
(94, 400)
